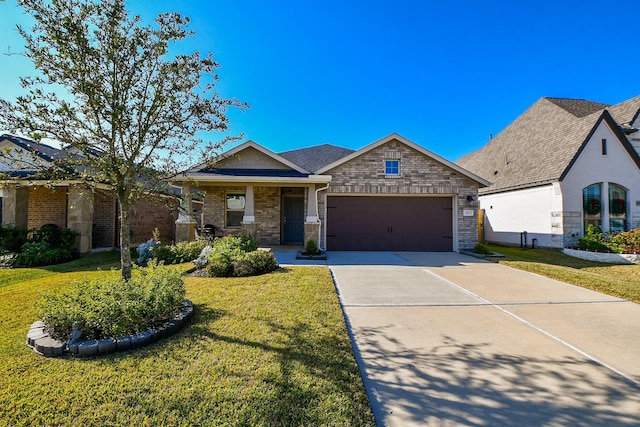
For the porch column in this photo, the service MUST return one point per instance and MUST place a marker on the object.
(15, 206)
(185, 224)
(312, 222)
(312, 205)
(249, 214)
(80, 216)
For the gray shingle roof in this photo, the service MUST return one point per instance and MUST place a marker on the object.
(541, 144)
(578, 107)
(313, 158)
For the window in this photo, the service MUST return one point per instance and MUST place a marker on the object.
(392, 167)
(591, 205)
(235, 210)
(617, 208)
(604, 147)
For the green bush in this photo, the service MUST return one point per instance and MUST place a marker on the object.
(180, 252)
(311, 248)
(254, 263)
(594, 240)
(480, 248)
(231, 243)
(109, 307)
(12, 239)
(47, 245)
(238, 256)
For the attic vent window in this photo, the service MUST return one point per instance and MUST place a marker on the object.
(392, 167)
(604, 146)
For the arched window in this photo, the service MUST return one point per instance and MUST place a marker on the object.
(592, 205)
(617, 208)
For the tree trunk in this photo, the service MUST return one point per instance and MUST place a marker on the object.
(125, 239)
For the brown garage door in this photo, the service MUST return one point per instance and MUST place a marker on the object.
(389, 223)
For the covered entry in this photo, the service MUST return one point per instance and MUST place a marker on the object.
(393, 223)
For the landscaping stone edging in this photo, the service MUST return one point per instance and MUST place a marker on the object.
(609, 258)
(482, 256)
(40, 341)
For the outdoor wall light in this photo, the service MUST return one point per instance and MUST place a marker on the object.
(470, 200)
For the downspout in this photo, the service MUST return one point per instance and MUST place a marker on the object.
(320, 222)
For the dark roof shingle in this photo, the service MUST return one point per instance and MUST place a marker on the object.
(541, 144)
(313, 158)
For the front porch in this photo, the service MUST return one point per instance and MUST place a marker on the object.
(275, 215)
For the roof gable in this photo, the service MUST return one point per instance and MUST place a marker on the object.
(408, 143)
(251, 156)
(617, 132)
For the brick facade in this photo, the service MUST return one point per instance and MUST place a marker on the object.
(266, 211)
(151, 213)
(419, 176)
(104, 219)
(47, 206)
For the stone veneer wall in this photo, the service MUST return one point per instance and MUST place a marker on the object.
(419, 176)
(47, 206)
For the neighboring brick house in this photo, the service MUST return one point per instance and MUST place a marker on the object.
(560, 166)
(390, 195)
(28, 202)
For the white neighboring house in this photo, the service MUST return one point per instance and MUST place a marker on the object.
(561, 165)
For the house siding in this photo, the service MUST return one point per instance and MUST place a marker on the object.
(419, 176)
(534, 210)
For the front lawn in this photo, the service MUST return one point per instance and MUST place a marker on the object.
(618, 280)
(263, 350)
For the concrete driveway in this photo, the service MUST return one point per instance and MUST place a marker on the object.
(445, 339)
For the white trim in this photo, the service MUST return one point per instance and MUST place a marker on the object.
(405, 141)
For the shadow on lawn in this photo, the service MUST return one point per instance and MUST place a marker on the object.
(304, 361)
(466, 384)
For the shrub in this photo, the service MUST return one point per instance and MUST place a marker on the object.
(311, 248)
(254, 263)
(12, 239)
(47, 245)
(238, 256)
(221, 263)
(593, 240)
(628, 241)
(180, 252)
(480, 248)
(231, 243)
(109, 307)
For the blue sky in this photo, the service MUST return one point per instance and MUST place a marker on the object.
(442, 74)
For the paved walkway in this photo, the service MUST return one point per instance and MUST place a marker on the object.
(445, 339)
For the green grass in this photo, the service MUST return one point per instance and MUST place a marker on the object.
(618, 280)
(265, 350)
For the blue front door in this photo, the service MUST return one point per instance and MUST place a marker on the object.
(292, 220)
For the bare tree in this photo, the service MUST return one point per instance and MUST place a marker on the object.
(126, 112)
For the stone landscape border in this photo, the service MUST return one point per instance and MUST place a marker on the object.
(609, 258)
(42, 343)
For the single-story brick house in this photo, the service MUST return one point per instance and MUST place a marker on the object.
(562, 165)
(390, 195)
(29, 202)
